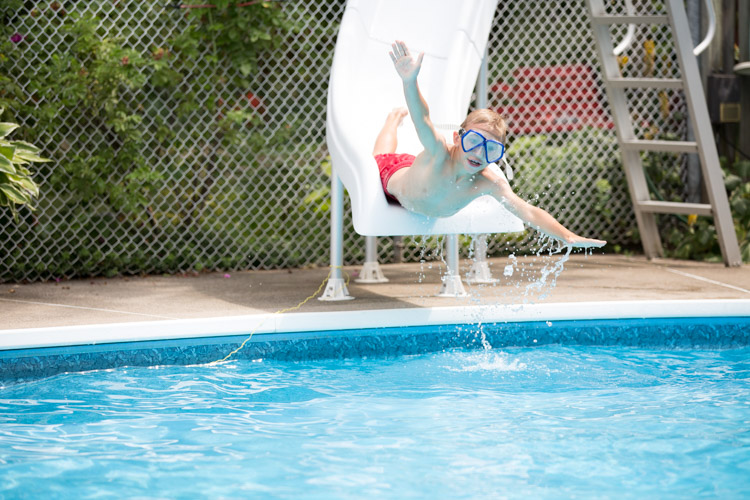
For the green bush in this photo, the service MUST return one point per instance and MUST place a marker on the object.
(130, 193)
(548, 173)
(695, 238)
(16, 185)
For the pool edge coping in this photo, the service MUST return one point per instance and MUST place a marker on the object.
(271, 323)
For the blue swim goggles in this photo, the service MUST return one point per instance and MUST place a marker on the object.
(471, 139)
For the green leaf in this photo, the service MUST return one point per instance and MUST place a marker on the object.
(6, 128)
(246, 68)
(23, 171)
(26, 183)
(739, 207)
(6, 165)
(731, 182)
(15, 194)
(746, 253)
(7, 151)
(25, 146)
(25, 155)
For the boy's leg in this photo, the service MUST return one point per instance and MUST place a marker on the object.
(388, 138)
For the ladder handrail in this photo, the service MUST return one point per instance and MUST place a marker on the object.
(711, 29)
(630, 34)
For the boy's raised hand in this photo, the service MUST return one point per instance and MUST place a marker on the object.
(406, 66)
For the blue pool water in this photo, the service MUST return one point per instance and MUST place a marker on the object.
(550, 421)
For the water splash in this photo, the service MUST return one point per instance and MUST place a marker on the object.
(484, 361)
(526, 281)
(551, 271)
(511, 266)
(483, 338)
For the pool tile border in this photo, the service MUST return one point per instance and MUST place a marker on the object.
(264, 324)
(670, 333)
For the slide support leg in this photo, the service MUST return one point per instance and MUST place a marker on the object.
(336, 286)
(452, 286)
(480, 269)
(371, 272)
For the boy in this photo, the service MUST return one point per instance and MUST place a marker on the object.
(444, 178)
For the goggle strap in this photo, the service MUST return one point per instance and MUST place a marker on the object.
(508, 170)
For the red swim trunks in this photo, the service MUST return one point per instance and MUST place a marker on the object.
(389, 164)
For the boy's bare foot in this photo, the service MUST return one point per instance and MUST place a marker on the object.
(396, 116)
(387, 138)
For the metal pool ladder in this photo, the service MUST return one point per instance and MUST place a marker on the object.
(631, 147)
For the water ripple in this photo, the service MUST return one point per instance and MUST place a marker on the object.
(543, 422)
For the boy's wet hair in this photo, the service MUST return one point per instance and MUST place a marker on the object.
(492, 120)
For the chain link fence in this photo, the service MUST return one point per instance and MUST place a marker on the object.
(232, 172)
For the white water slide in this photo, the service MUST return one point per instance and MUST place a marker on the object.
(364, 87)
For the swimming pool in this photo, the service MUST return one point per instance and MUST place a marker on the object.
(540, 422)
(608, 408)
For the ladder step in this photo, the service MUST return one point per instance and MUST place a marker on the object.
(671, 207)
(630, 19)
(673, 146)
(650, 83)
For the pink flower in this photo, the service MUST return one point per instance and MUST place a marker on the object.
(227, 275)
(16, 37)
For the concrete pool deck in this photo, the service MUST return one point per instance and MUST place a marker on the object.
(600, 278)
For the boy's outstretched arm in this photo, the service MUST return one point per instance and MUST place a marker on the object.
(408, 69)
(536, 217)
